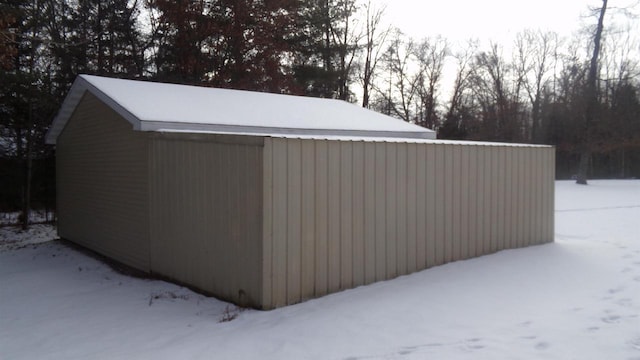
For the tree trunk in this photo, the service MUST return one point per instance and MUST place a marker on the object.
(26, 201)
(591, 96)
(583, 167)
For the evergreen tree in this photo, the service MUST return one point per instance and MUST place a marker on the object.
(26, 103)
(326, 47)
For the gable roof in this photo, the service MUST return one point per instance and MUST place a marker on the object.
(152, 106)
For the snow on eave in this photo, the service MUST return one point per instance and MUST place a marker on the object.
(71, 101)
(284, 132)
(409, 140)
(357, 138)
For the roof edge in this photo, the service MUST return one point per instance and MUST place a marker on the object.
(71, 101)
(269, 131)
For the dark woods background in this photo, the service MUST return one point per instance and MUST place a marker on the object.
(325, 48)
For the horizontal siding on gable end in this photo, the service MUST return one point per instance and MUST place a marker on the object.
(102, 184)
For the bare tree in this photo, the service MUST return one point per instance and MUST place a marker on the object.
(534, 59)
(591, 97)
(375, 38)
(430, 55)
(346, 39)
(453, 126)
(402, 82)
(492, 89)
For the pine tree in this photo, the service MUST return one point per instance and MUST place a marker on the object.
(325, 48)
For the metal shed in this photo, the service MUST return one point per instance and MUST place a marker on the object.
(267, 200)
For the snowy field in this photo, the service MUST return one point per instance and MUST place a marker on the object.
(577, 298)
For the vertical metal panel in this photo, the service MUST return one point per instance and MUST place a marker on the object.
(500, 197)
(346, 214)
(370, 198)
(493, 210)
(544, 196)
(547, 197)
(547, 194)
(448, 202)
(544, 204)
(422, 254)
(334, 206)
(321, 218)
(456, 190)
(401, 208)
(381, 211)
(517, 198)
(431, 204)
(551, 195)
(358, 209)
(294, 219)
(551, 168)
(267, 224)
(206, 207)
(508, 200)
(280, 194)
(528, 198)
(473, 201)
(529, 184)
(439, 204)
(465, 184)
(412, 209)
(485, 189)
(102, 189)
(535, 196)
(480, 201)
(308, 216)
(532, 193)
(522, 188)
(391, 238)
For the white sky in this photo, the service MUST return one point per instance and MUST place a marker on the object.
(498, 20)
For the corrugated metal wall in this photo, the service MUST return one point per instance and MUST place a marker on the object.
(339, 214)
(102, 184)
(267, 222)
(206, 213)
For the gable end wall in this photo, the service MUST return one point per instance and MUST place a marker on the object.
(102, 184)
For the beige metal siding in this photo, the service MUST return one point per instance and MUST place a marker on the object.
(102, 184)
(206, 213)
(359, 212)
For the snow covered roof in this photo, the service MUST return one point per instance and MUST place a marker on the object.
(151, 106)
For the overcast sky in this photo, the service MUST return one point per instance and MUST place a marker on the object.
(497, 20)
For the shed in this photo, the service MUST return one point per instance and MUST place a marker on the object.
(267, 200)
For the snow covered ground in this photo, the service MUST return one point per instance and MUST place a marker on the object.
(577, 298)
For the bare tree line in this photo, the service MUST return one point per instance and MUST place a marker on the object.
(576, 93)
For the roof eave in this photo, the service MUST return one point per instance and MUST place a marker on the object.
(269, 131)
